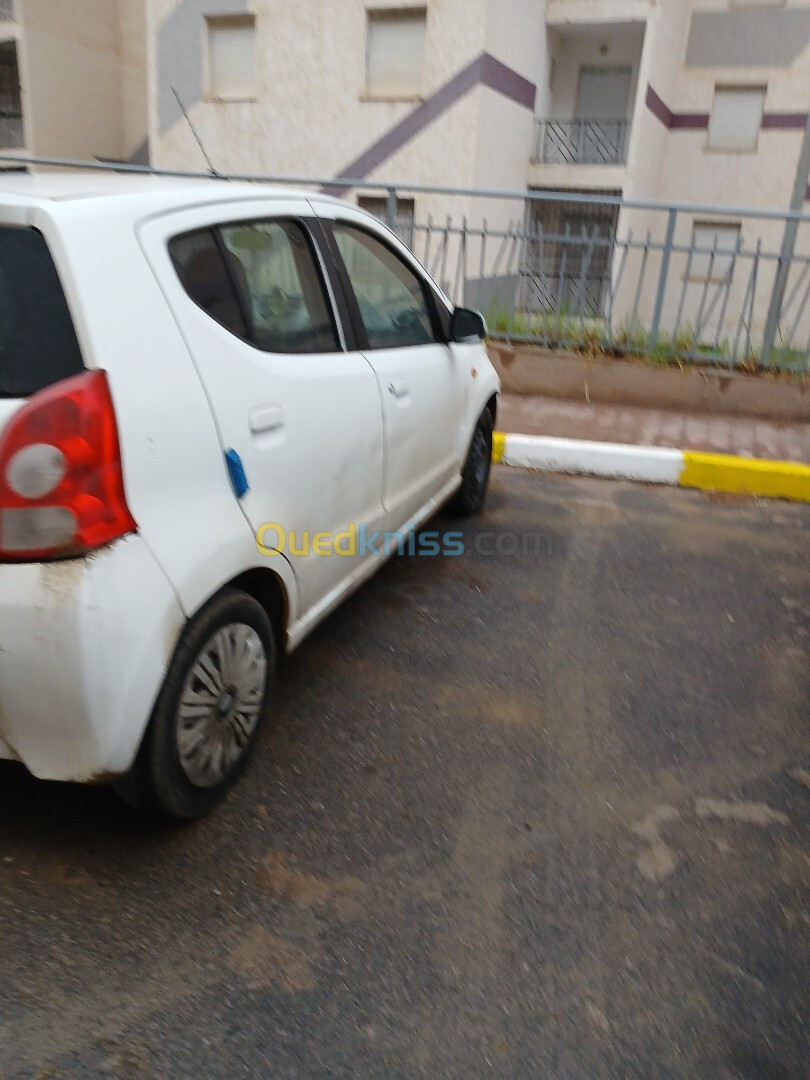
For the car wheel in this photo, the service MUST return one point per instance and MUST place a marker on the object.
(475, 474)
(210, 708)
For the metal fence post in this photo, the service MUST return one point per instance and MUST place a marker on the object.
(655, 325)
(787, 250)
(391, 208)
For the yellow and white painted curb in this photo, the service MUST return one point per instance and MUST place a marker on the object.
(655, 465)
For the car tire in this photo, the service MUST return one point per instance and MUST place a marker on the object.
(475, 474)
(210, 709)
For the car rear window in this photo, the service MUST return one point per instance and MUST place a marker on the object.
(38, 343)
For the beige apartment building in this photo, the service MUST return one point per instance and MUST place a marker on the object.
(689, 101)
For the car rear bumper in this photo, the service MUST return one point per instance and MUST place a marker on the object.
(84, 646)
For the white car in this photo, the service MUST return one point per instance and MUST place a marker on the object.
(213, 397)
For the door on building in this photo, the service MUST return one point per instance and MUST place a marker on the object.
(568, 259)
(603, 94)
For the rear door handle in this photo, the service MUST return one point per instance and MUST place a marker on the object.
(265, 418)
(399, 389)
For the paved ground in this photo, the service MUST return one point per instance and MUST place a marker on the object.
(533, 816)
(777, 440)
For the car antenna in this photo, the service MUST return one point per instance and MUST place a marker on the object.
(194, 133)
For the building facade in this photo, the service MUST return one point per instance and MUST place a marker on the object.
(689, 101)
(74, 78)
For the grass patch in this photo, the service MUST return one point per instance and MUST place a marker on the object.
(631, 340)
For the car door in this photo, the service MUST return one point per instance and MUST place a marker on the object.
(421, 377)
(298, 412)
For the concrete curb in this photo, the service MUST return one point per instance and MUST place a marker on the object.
(529, 371)
(655, 465)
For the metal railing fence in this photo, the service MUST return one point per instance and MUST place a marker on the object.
(581, 142)
(630, 294)
(635, 277)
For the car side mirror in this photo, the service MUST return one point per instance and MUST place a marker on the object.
(467, 326)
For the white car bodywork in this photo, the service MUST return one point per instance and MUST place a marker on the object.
(377, 438)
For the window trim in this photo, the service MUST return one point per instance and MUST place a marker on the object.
(329, 256)
(382, 13)
(713, 277)
(214, 22)
(305, 224)
(730, 148)
(439, 326)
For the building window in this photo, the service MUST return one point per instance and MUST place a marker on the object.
(231, 57)
(11, 125)
(568, 254)
(6, 9)
(736, 117)
(403, 222)
(711, 243)
(395, 49)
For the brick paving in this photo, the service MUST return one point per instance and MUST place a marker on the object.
(774, 439)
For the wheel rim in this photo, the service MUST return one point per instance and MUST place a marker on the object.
(220, 704)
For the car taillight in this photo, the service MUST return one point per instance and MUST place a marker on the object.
(61, 482)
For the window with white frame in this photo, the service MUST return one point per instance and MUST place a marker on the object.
(395, 50)
(231, 57)
(736, 117)
(713, 245)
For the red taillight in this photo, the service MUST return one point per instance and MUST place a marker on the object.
(61, 483)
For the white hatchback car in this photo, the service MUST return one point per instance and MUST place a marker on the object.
(213, 397)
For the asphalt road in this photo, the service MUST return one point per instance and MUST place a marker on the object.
(540, 815)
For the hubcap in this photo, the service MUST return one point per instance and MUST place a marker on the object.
(220, 704)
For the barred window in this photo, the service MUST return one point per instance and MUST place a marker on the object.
(11, 128)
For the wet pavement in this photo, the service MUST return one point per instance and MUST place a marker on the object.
(520, 815)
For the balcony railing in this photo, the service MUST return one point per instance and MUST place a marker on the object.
(581, 142)
(11, 131)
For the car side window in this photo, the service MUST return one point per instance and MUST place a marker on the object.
(283, 293)
(391, 297)
(201, 268)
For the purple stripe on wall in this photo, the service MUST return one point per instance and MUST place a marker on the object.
(700, 121)
(784, 121)
(671, 120)
(657, 107)
(505, 80)
(694, 121)
(485, 70)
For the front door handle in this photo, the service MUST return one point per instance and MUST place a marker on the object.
(265, 418)
(398, 388)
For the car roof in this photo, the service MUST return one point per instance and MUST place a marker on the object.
(132, 193)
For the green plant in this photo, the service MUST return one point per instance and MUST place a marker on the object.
(785, 358)
(683, 340)
(631, 338)
(497, 316)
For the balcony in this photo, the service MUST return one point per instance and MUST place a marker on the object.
(587, 90)
(581, 142)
